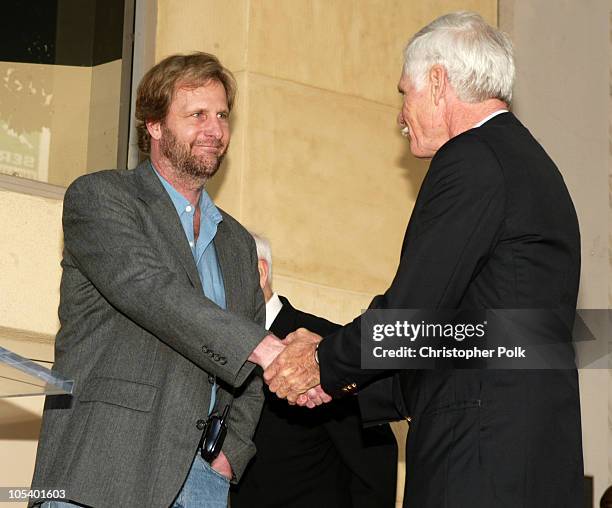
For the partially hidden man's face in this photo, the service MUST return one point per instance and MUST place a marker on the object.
(195, 133)
(420, 119)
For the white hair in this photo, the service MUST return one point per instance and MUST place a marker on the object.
(477, 57)
(264, 252)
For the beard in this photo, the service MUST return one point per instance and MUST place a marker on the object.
(184, 162)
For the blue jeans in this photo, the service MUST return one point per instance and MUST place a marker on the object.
(203, 488)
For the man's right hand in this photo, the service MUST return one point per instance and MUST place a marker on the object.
(266, 351)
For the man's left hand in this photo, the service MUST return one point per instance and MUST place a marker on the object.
(295, 371)
(313, 397)
(222, 466)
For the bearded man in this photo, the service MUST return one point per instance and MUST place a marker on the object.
(160, 313)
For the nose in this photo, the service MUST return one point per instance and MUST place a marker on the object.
(213, 127)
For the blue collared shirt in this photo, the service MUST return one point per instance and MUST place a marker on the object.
(203, 249)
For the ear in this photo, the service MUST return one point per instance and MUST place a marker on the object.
(154, 129)
(438, 81)
(263, 268)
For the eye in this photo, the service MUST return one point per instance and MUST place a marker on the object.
(223, 115)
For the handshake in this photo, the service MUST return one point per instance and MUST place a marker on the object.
(290, 368)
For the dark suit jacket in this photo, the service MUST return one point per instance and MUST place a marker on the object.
(144, 345)
(493, 227)
(317, 457)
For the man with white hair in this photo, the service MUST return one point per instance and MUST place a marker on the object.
(324, 456)
(493, 227)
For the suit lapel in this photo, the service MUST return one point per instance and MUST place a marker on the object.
(164, 215)
(224, 246)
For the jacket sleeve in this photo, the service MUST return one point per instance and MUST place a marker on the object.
(248, 401)
(105, 237)
(455, 223)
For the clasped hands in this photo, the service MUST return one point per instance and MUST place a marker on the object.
(294, 374)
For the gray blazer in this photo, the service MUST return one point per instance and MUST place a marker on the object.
(144, 346)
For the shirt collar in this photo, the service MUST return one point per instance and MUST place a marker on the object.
(181, 203)
(273, 307)
(494, 114)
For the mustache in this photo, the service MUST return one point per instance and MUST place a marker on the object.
(211, 143)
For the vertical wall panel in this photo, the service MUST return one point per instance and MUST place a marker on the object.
(562, 53)
(316, 162)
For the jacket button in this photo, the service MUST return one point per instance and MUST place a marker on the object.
(211, 379)
(204, 349)
(216, 358)
(200, 424)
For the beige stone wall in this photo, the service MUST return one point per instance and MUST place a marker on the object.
(316, 163)
(563, 68)
(30, 253)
